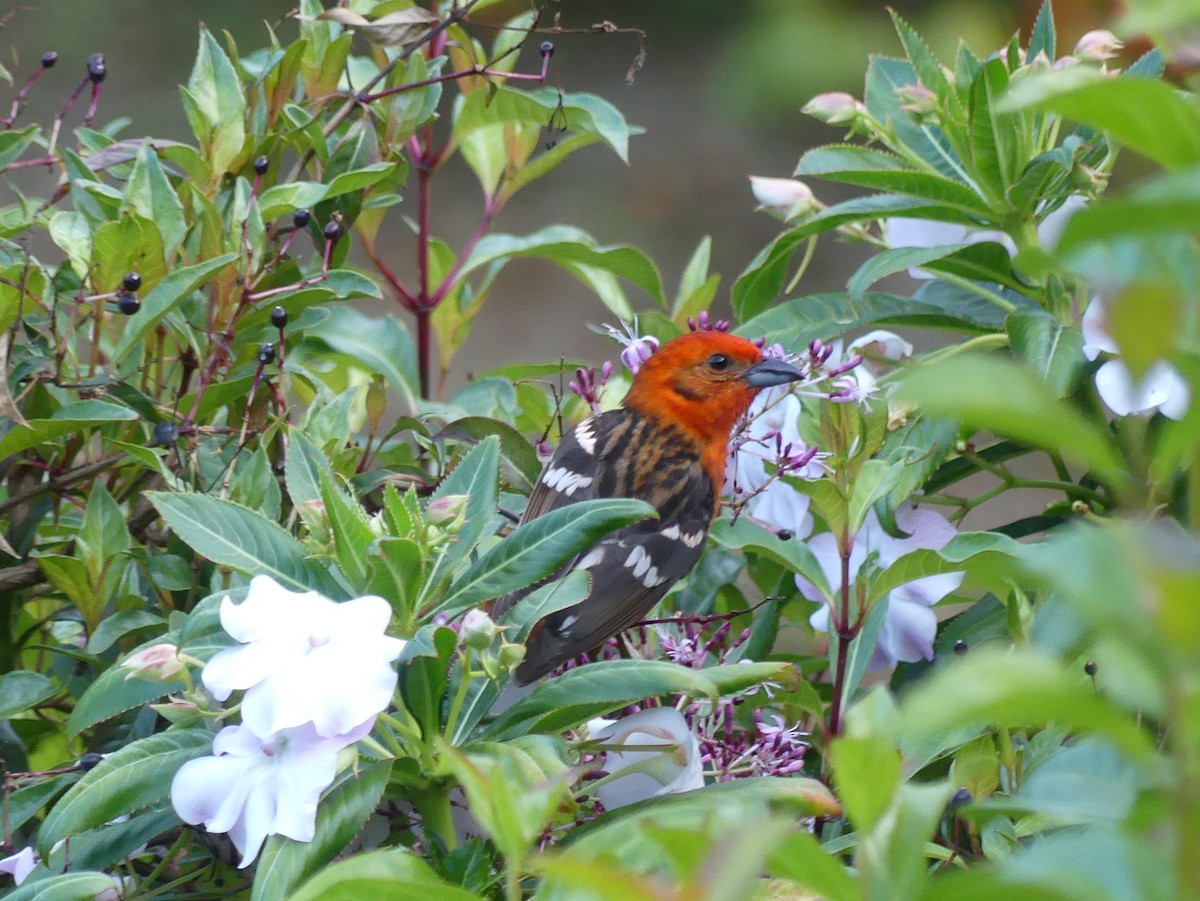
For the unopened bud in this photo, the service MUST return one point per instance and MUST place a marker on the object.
(478, 630)
(510, 656)
(1098, 46)
(446, 509)
(159, 663)
(834, 108)
(918, 100)
(784, 198)
(178, 712)
(376, 404)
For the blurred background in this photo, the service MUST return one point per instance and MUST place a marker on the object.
(719, 96)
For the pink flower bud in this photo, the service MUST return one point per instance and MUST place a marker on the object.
(445, 510)
(159, 663)
(784, 198)
(1097, 46)
(478, 630)
(918, 100)
(834, 108)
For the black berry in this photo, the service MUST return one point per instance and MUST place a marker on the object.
(300, 218)
(128, 303)
(89, 760)
(261, 164)
(97, 68)
(547, 48)
(49, 58)
(165, 433)
(960, 797)
(279, 317)
(784, 534)
(266, 354)
(1090, 668)
(332, 230)
(132, 281)
(961, 647)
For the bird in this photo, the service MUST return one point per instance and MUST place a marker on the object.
(667, 445)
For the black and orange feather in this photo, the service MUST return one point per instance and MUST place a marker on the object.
(667, 445)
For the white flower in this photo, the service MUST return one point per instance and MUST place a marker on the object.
(19, 865)
(305, 658)
(1160, 389)
(644, 774)
(783, 198)
(255, 787)
(910, 626)
(902, 231)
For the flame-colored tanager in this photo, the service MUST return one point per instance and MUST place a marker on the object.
(666, 445)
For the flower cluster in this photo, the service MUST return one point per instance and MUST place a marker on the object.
(315, 674)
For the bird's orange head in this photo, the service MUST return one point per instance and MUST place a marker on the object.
(702, 382)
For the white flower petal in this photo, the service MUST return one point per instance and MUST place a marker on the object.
(926, 530)
(20, 864)
(238, 668)
(901, 231)
(1051, 228)
(1096, 339)
(929, 590)
(655, 772)
(908, 633)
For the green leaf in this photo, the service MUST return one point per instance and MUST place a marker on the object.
(380, 345)
(875, 480)
(1049, 348)
(1042, 38)
(1147, 115)
(801, 860)
(870, 168)
(149, 193)
(993, 135)
(236, 536)
(217, 94)
(891, 858)
(572, 248)
(73, 235)
(992, 393)
(596, 689)
(1086, 782)
(739, 799)
(165, 297)
(394, 874)
(475, 478)
(344, 808)
(796, 322)
(795, 555)
(64, 887)
(73, 417)
(984, 261)
(113, 628)
(522, 465)
(352, 535)
(866, 772)
(21, 690)
(305, 467)
(557, 595)
(304, 195)
(537, 548)
(584, 113)
(136, 775)
(1013, 688)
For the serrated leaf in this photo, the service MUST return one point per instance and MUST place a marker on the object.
(70, 418)
(344, 808)
(594, 690)
(871, 168)
(132, 777)
(22, 690)
(1049, 348)
(233, 535)
(794, 554)
(394, 874)
(537, 548)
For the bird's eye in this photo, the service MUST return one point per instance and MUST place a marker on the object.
(718, 362)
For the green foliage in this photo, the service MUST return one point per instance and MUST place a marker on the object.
(191, 400)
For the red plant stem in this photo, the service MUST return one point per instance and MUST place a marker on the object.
(845, 635)
(19, 100)
(490, 209)
(62, 114)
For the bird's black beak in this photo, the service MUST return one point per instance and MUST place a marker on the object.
(770, 373)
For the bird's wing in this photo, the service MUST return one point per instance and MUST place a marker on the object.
(630, 572)
(569, 477)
